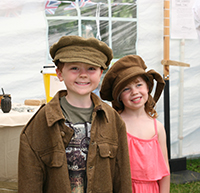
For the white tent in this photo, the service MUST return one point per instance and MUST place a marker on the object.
(23, 48)
(23, 53)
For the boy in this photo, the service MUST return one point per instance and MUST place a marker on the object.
(75, 143)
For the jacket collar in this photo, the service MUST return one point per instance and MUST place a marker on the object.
(54, 113)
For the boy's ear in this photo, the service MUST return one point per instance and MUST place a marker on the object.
(59, 74)
(101, 71)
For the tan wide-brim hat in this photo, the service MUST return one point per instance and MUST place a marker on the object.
(78, 49)
(123, 72)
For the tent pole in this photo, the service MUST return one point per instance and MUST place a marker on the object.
(166, 73)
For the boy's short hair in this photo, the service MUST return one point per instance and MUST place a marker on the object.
(78, 49)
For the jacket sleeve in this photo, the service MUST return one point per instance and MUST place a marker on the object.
(122, 181)
(30, 172)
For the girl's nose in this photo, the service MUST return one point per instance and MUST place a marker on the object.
(133, 91)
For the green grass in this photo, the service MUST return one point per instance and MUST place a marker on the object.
(193, 187)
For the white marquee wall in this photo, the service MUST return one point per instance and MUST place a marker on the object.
(22, 48)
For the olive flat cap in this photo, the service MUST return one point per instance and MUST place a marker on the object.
(78, 49)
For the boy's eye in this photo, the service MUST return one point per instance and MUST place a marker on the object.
(92, 68)
(74, 68)
(139, 84)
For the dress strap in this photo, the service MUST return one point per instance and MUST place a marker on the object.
(155, 125)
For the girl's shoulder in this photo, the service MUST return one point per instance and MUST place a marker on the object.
(160, 129)
(159, 124)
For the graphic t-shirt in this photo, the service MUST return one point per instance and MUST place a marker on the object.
(79, 119)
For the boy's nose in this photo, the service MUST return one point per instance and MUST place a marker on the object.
(83, 72)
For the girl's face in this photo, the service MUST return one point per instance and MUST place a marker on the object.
(135, 95)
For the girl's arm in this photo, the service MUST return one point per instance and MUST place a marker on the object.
(164, 183)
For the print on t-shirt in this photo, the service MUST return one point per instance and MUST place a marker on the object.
(76, 155)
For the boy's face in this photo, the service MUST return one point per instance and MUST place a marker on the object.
(80, 78)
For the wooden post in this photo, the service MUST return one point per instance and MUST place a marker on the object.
(166, 36)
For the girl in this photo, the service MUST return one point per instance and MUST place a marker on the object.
(128, 86)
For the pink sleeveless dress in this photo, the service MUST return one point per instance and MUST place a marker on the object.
(147, 163)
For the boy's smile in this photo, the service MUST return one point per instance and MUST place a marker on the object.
(80, 78)
(82, 83)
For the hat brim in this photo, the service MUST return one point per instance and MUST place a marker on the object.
(80, 54)
(125, 78)
(79, 49)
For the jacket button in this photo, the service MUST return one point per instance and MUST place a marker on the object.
(62, 133)
(94, 142)
(91, 167)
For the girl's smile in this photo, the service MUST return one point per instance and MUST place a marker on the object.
(135, 94)
(136, 100)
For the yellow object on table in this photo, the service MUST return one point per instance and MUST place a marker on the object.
(51, 82)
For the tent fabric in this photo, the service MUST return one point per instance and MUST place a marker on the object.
(23, 53)
(196, 13)
(22, 48)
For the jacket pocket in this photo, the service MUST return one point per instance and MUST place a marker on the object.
(107, 150)
(53, 158)
(105, 168)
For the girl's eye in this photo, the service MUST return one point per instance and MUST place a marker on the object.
(139, 84)
(125, 89)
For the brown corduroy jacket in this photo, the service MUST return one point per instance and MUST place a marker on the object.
(42, 158)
